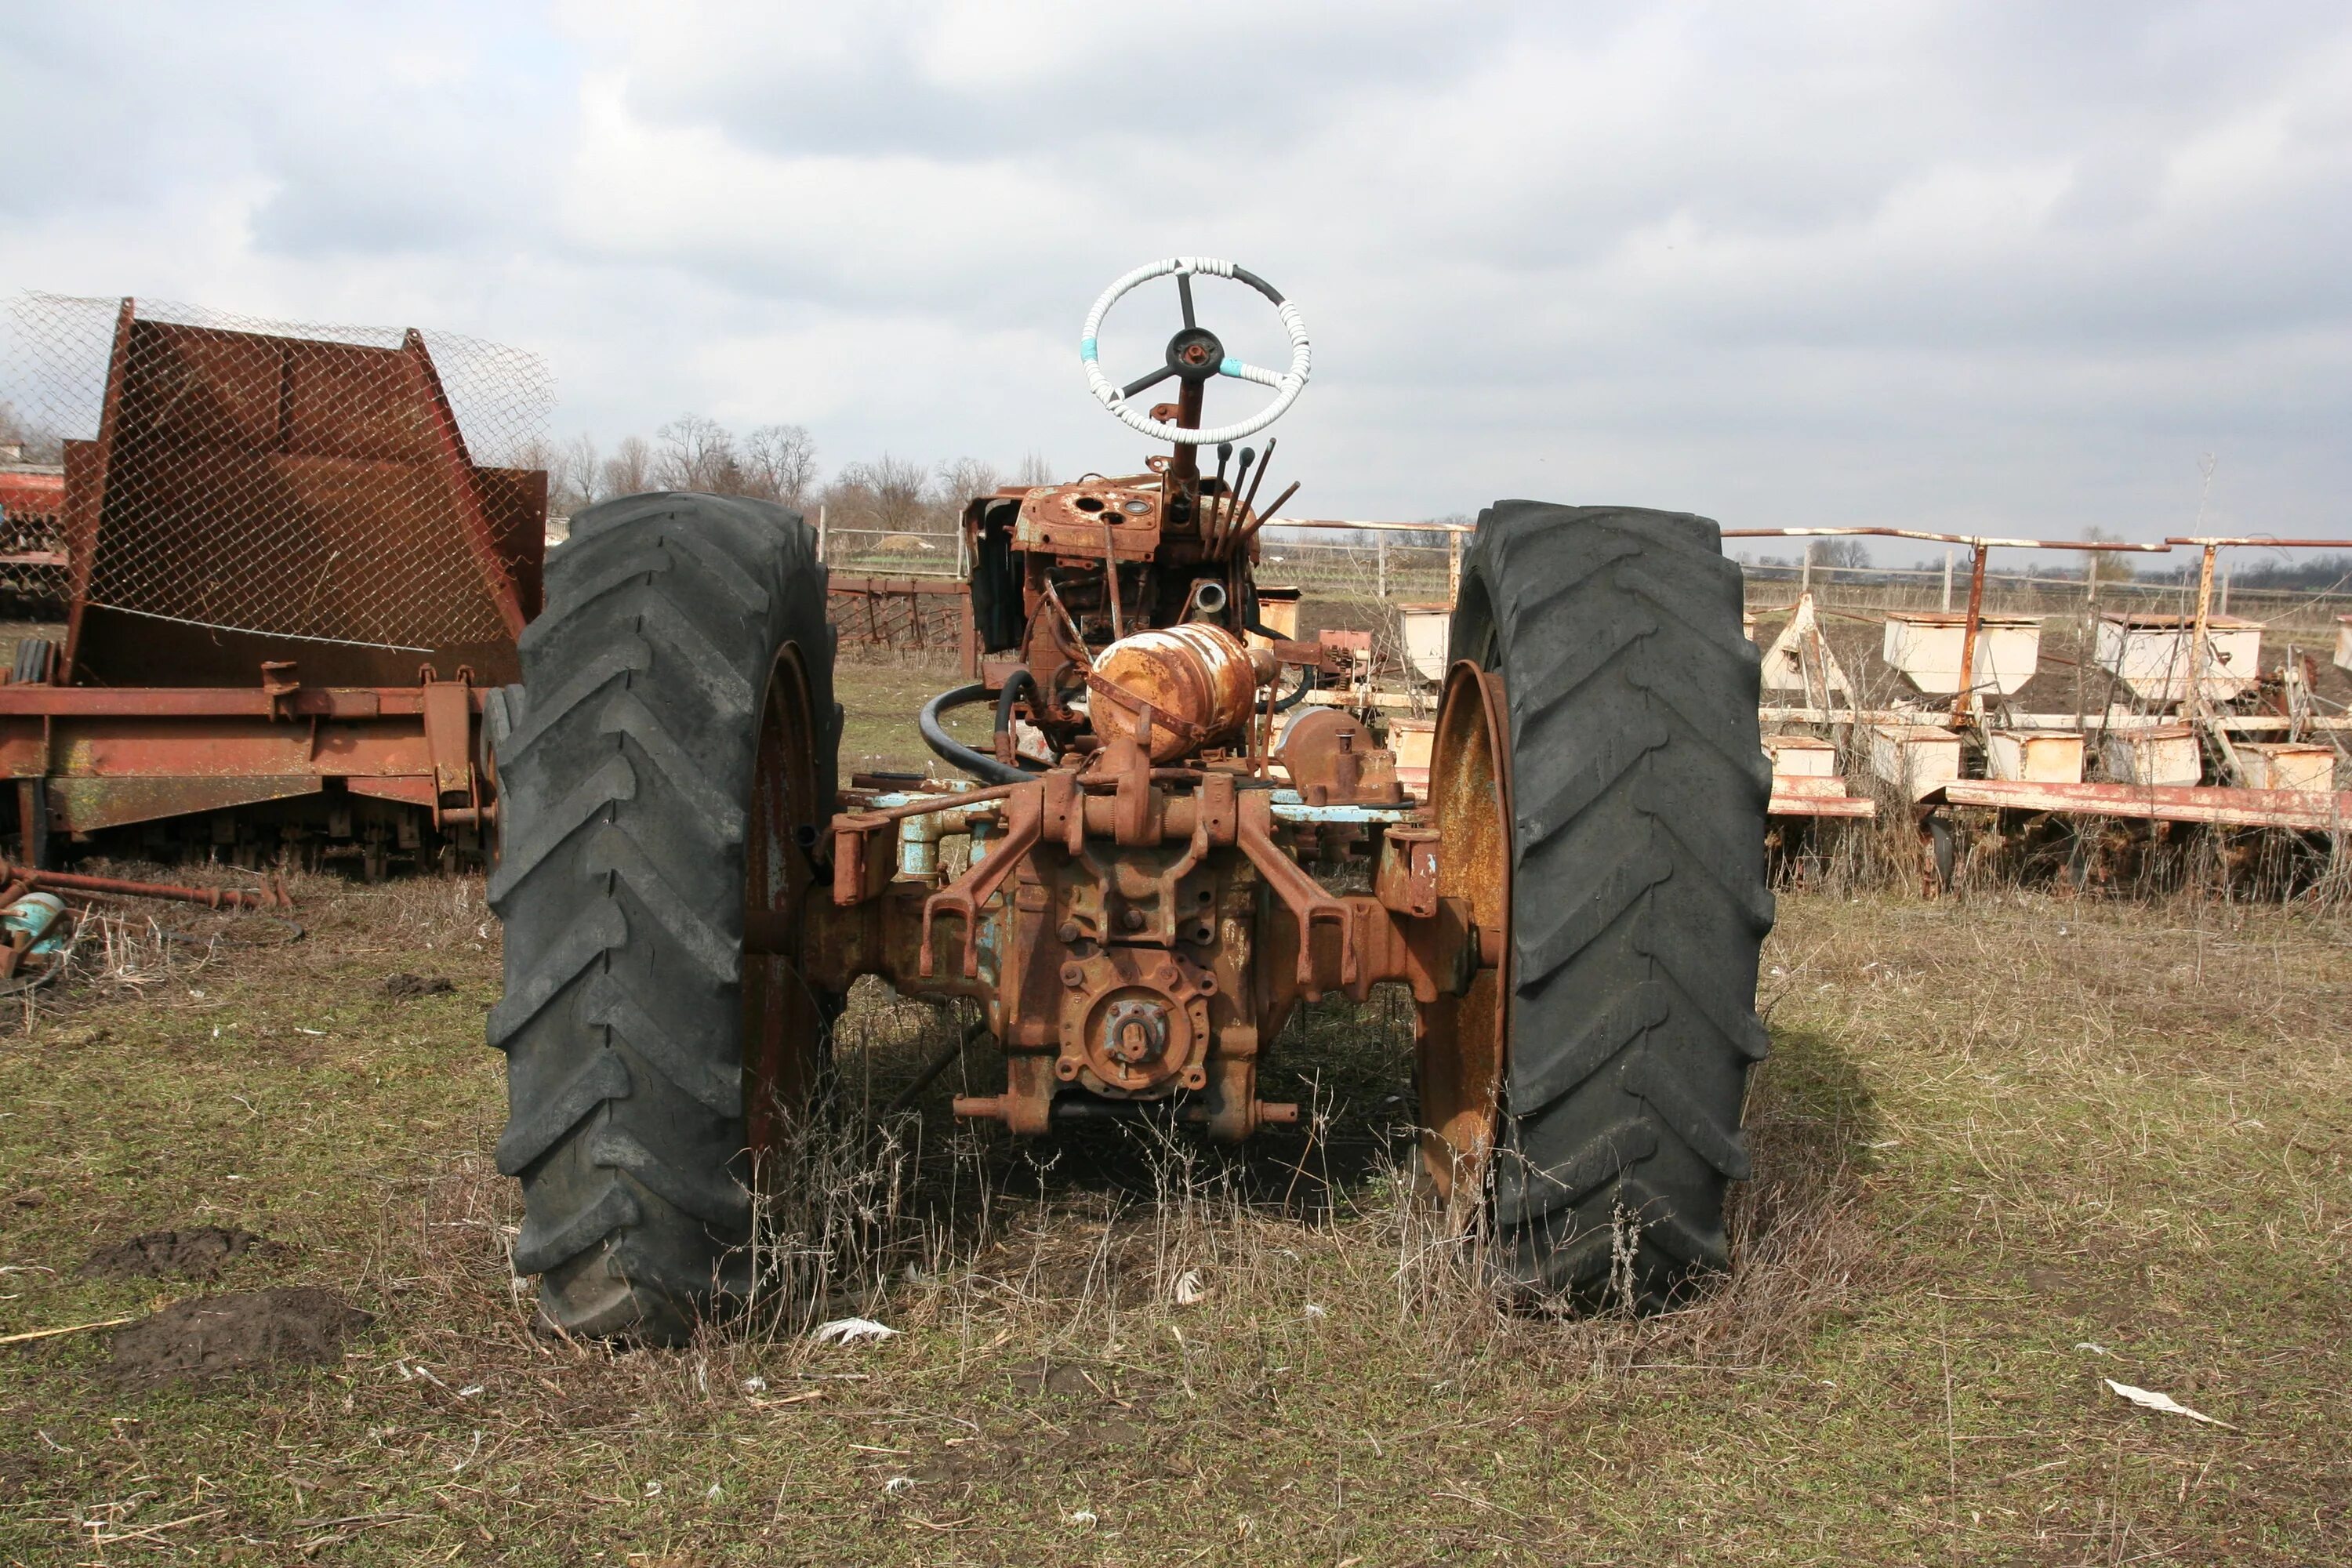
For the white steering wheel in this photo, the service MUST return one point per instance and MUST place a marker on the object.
(1195, 354)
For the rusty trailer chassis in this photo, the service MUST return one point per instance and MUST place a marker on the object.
(107, 757)
(1134, 937)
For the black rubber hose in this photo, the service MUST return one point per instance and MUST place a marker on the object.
(1306, 685)
(1011, 695)
(954, 752)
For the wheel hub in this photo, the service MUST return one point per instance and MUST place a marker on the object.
(1461, 1044)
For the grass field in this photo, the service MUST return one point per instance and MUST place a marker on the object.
(2006, 1149)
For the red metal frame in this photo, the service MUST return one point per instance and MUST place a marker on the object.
(242, 733)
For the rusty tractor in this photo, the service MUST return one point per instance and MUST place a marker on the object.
(1576, 901)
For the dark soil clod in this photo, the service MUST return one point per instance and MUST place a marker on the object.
(200, 1252)
(221, 1336)
(1060, 1380)
(408, 987)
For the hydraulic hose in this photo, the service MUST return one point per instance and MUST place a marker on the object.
(1306, 676)
(954, 752)
(1013, 686)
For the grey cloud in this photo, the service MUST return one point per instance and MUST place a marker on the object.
(1938, 263)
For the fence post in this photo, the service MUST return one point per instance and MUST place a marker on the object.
(1947, 581)
(820, 533)
(1453, 567)
(1380, 549)
(1805, 580)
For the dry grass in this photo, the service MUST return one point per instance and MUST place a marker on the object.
(1991, 1133)
(2007, 1145)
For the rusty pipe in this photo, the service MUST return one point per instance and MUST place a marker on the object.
(215, 897)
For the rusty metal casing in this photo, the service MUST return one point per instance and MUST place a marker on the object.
(1200, 681)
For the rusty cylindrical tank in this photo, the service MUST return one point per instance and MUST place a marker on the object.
(1199, 678)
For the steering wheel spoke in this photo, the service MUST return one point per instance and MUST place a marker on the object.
(1146, 383)
(1196, 354)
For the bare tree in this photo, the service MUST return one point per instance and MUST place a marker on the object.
(572, 483)
(2108, 565)
(1849, 554)
(629, 471)
(959, 481)
(1034, 471)
(698, 454)
(890, 493)
(779, 463)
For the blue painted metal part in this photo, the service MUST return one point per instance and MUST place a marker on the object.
(1289, 808)
(37, 914)
(919, 836)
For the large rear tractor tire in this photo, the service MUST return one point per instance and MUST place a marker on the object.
(664, 768)
(1603, 791)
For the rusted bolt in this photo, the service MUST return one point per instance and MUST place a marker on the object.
(1131, 918)
(1068, 930)
(1074, 975)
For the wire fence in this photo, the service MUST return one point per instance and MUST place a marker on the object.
(344, 484)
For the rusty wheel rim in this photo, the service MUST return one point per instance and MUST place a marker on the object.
(783, 1023)
(1463, 1040)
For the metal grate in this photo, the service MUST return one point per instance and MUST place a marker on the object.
(356, 485)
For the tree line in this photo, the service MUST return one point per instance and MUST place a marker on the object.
(887, 495)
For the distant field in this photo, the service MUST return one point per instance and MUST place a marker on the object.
(2005, 1149)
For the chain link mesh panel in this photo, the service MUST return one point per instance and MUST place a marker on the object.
(356, 485)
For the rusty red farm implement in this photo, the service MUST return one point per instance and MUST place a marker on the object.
(293, 589)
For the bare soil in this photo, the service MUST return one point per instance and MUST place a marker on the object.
(407, 987)
(224, 1336)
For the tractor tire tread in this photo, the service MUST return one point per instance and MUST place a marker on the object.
(1639, 789)
(624, 788)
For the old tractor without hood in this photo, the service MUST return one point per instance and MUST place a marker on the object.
(1576, 904)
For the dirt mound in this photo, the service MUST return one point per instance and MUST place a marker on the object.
(200, 1252)
(407, 987)
(220, 1336)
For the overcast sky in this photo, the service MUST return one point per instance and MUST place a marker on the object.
(1990, 267)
